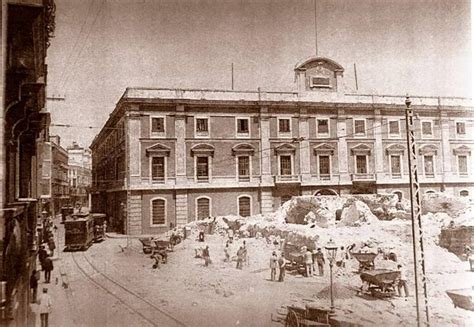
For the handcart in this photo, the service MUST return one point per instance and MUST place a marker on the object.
(381, 282)
(309, 315)
(148, 244)
(462, 298)
(366, 260)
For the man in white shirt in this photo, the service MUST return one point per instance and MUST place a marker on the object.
(45, 307)
(403, 281)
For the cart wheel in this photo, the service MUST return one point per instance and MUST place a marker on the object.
(292, 319)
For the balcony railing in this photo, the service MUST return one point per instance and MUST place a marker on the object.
(202, 179)
(287, 178)
(363, 177)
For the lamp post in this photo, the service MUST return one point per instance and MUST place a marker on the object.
(331, 249)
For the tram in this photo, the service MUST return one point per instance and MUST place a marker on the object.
(100, 225)
(79, 232)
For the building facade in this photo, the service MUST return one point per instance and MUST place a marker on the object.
(27, 26)
(79, 174)
(60, 194)
(169, 156)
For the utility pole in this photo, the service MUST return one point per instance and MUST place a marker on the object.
(415, 201)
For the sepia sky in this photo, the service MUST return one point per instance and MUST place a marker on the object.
(420, 47)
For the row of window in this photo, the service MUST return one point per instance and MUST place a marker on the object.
(203, 209)
(285, 166)
(284, 127)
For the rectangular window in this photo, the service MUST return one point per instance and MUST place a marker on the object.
(203, 208)
(394, 128)
(461, 128)
(359, 127)
(157, 125)
(429, 166)
(244, 168)
(244, 206)
(361, 164)
(158, 212)
(284, 125)
(462, 165)
(323, 126)
(285, 165)
(158, 169)
(202, 169)
(395, 163)
(202, 126)
(243, 127)
(324, 168)
(427, 129)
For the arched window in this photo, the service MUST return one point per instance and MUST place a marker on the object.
(203, 208)
(245, 206)
(464, 193)
(325, 191)
(158, 211)
(430, 192)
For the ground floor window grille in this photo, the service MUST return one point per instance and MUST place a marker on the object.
(244, 206)
(203, 208)
(158, 212)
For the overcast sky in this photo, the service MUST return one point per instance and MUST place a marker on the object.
(101, 47)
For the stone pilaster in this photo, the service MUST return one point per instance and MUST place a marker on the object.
(446, 152)
(305, 152)
(134, 156)
(266, 155)
(266, 201)
(342, 152)
(134, 215)
(181, 207)
(180, 134)
(378, 147)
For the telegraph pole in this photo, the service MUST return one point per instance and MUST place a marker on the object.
(415, 201)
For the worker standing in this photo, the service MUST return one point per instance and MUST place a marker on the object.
(308, 260)
(319, 256)
(403, 281)
(273, 265)
(282, 267)
(206, 256)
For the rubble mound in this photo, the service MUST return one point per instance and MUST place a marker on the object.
(357, 213)
(442, 202)
(339, 292)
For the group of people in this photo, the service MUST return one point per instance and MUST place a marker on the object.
(277, 262)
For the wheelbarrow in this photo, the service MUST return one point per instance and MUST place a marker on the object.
(381, 282)
(147, 244)
(366, 260)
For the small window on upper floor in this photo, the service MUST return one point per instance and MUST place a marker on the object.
(320, 82)
(427, 129)
(202, 127)
(157, 125)
(460, 128)
(284, 126)
(323, 127)
(394, 128)
(359, 127)
(243, 128)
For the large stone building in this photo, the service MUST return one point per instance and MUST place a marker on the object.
(79, 174)
(27, 26)
(169, 156)
(59, 176)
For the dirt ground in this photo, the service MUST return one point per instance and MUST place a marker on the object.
(221, 295)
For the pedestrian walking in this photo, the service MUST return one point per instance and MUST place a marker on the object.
(48, 267)
(246, 254)
(51, 245)
(206, 256)
(226, 252)
(240, 258)
(319, 256)
(282, 267)
(201, 232)
(308, 260)
(273, 265)
(34, 278)
(42, 254)
(341, 258)
(402, 282)
(45, 306)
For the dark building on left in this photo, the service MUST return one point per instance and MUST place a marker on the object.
(27, 26)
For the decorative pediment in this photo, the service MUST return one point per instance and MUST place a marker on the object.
(158, 149)
(324, 148)
(361, 149)
(285, 148)
(243, 148)
(395, 149)
(462, 150)
(428, 150)
(202, 148)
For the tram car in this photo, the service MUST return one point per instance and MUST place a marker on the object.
(100, 225)
(79, 232)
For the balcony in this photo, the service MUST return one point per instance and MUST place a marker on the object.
(287, 179)
(363, 177)
(202, 179)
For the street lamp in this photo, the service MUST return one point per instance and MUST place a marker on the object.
(331, 249)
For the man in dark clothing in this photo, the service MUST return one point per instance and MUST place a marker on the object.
(34, 284)
(281, 265)
(42, 254)
(47, 267)
(319, 258)
(206, 256)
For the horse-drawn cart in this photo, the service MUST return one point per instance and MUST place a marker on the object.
(366, 260)
(381, 282)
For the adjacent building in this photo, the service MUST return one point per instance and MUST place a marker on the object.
(60, 196)
(169, 156)
(79, 174)
(27, 26)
